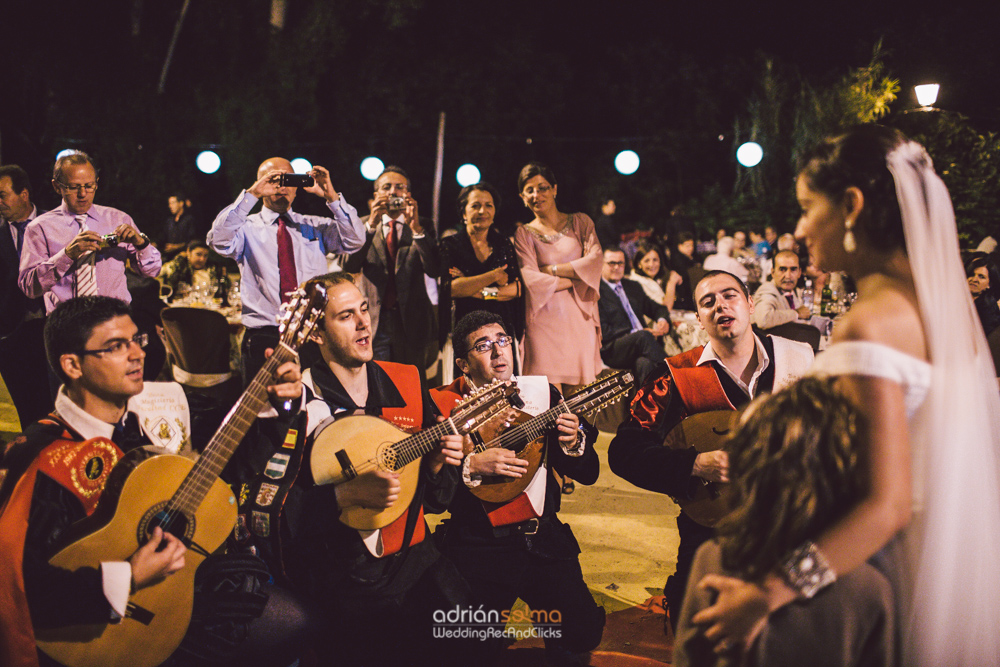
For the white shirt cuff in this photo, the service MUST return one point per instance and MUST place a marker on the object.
(116, 580)
(471, 480)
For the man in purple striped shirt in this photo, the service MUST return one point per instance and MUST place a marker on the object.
(58, 242)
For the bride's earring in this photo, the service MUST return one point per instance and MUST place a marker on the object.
(850, 245)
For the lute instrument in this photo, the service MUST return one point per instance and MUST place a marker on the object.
(183, 497)
(524, 434)
(351, 446)
(706, 432)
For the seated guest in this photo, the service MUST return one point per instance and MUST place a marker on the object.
(795, 466)
(723, 260)
(626, 341)
(984, 284)
(190, 266)
(103, 410)
(652, 271)
(779, 301)
(519, 548)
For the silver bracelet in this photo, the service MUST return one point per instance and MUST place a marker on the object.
(807, 570)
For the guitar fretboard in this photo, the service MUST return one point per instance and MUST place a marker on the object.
(223, 444)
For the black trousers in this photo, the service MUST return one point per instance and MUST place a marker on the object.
(638, 351)
(25, 371)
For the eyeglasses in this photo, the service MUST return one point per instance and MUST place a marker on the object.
(488, 345)
(80, 189)
(615, 263)
(118, 346)
(541, 189)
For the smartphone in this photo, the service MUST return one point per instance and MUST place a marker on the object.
(295, 181)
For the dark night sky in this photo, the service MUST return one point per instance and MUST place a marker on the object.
(588, 72)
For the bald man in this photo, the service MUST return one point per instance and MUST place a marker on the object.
(278, 249)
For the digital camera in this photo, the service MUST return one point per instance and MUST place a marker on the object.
(109, 240)
(395, 203)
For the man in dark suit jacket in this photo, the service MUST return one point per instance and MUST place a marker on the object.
(626, 340)
(22, 350)
(402, 314)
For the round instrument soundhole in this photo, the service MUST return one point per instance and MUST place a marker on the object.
(174, 522)
(387, 456)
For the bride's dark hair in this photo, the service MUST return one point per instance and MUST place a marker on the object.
(794, 463)
(857, 158)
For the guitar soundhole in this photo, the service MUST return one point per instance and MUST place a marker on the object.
(176, 523)
(387, 456)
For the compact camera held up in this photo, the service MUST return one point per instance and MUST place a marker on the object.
(109, 241)
(395, 203)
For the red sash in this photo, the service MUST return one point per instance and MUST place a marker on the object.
(698, 386)
(410, 418)
(82, 467)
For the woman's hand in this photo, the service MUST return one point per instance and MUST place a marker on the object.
(738, 615)
(500, 275)
(456, 272)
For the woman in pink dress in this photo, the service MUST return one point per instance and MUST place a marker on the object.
(561, 261)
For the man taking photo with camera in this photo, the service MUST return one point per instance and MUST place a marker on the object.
(399, 251)
(278, 249)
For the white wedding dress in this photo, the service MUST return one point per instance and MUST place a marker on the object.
(948, 559)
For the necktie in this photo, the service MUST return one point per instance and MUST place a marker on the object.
(287, 279)
(86, 270)
(127, 434)
(392, 246)
(633, 320)
(790, 299)
(20, 226)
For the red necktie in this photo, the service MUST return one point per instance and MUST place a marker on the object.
(287, 279)
(392, 245)
(791, 300)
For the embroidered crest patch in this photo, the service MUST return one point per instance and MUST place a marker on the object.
(277, 465)
(290, 439)
(262, 524)
(266, 494)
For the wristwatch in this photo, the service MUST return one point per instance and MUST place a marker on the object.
(145, 242)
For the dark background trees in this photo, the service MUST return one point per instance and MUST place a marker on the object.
(342, 79)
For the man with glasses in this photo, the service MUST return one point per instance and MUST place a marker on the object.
(278, 249)
(80, 248)
(520, 549)
(399, 249)
(626, 341)
(55, 473)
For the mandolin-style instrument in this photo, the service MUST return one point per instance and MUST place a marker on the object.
(354, 445)
(526, 436)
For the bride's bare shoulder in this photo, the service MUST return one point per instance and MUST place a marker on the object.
(889, 316)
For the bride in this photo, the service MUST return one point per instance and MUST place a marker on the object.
(913, 357)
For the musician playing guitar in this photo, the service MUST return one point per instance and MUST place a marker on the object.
(94, 346)
(378, 588)
(520, 549)
(732, 368)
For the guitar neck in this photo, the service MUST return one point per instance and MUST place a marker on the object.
(225, 441)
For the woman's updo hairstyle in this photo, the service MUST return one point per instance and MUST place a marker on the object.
(531, 170)
(857, 158)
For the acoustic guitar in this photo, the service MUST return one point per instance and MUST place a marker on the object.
(353, 445)
(706, 432)
(183, 497)
(524, 434)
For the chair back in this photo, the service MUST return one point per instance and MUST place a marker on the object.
(804, 333)
(197, 340)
